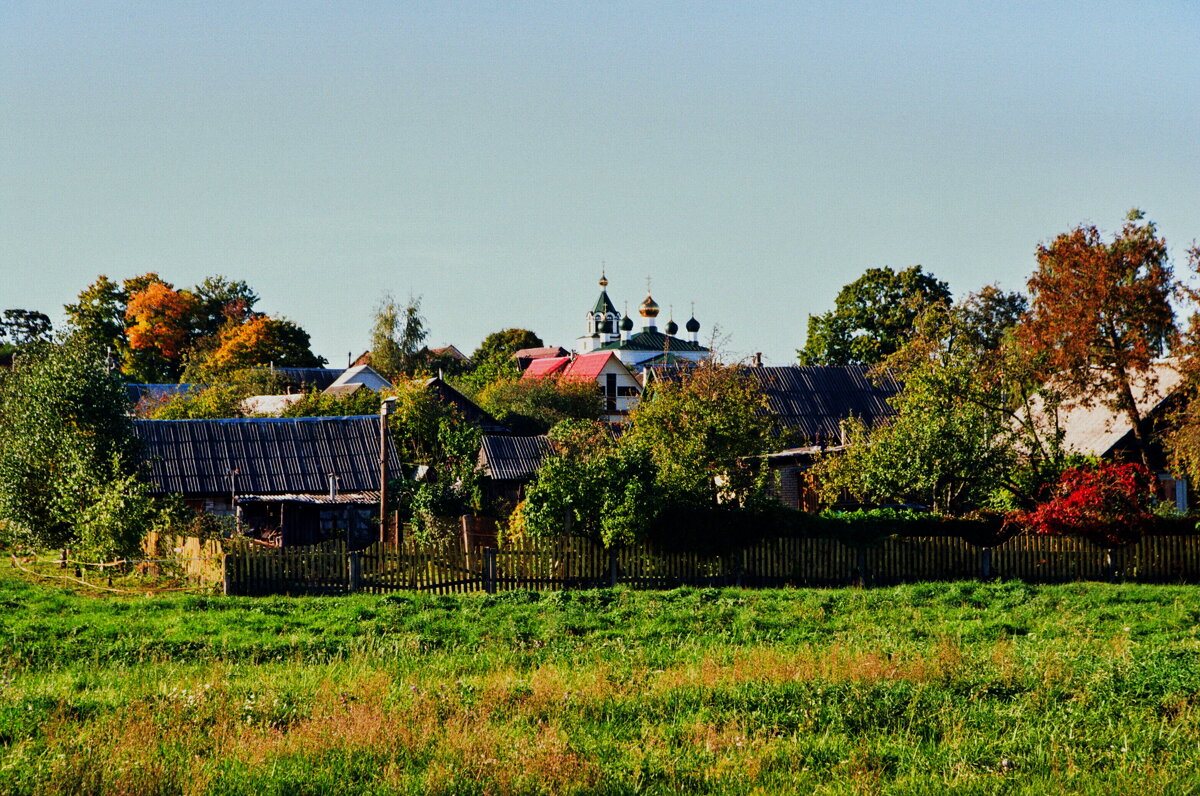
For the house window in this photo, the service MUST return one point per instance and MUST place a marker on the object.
(610, 392)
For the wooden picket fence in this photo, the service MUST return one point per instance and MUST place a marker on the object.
(576, 563)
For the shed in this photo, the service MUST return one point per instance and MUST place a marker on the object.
(509, 463)
(288, 480)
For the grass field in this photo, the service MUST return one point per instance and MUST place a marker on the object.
(962, 687)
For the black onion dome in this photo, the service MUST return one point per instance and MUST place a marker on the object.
(627, 324)
(672, 327)
(692, 325)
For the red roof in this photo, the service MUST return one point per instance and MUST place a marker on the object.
(544, 367)
(587, 366)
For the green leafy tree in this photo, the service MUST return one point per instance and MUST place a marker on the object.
(221, 301)
(533, 406)
(99, 312)
(705, 434)
(964, 435)
(68, 456)
(607, 492)
(492, 360)
(872, 317)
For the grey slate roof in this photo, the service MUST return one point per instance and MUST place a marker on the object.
(513, 458)
(271, 455)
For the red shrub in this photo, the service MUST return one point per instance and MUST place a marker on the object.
(1108, 504)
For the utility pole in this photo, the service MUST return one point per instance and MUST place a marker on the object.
(385, 409)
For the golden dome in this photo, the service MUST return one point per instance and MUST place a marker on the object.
(649, 308)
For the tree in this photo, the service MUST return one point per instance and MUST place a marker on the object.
(963, 436)
(397, 337)
(604, 491)
(68, 456)
(219, 302)
(1099, 315)
(871, 318)
(492, 360)
(99, 312)
(259, 341)
(20, 327)
(704, 433)
(1182, 439)
(989, 315)
(533, 406)
(160, 331)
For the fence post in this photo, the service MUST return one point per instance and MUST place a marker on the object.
(739, 566)
(225, 574)
(354, 562)
(489, 570)
(612, 567)
(1110, 566)
(860, 561)
(985, 562)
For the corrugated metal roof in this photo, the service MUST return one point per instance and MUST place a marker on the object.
(540, 353)
(513, 458)
(271, 455)
(470, 411)
(814, 400)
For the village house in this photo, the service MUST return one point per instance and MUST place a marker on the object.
(615, 380)
(286, 481)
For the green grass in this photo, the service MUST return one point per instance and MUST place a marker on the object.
(930, 688)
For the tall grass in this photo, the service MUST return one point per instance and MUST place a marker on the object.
(965, 687)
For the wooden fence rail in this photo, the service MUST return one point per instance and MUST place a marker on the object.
(576, 563)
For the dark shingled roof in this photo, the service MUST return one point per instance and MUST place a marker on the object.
(271, 455)
(814, 400)
(512, 458)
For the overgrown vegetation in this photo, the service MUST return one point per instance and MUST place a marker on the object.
(967, 688)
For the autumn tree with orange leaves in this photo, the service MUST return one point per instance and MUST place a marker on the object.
(160, 321)
(1099, 315)
(260, 341)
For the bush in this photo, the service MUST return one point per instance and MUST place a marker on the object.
(1109, 504)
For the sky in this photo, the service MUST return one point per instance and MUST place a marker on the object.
(492, 158)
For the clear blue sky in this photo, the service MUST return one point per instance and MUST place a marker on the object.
(750, 157)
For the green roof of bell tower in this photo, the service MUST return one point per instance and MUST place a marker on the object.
(604, 305)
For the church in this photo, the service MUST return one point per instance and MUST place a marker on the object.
(608, 330)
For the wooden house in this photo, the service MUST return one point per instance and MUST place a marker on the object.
(289, 481)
